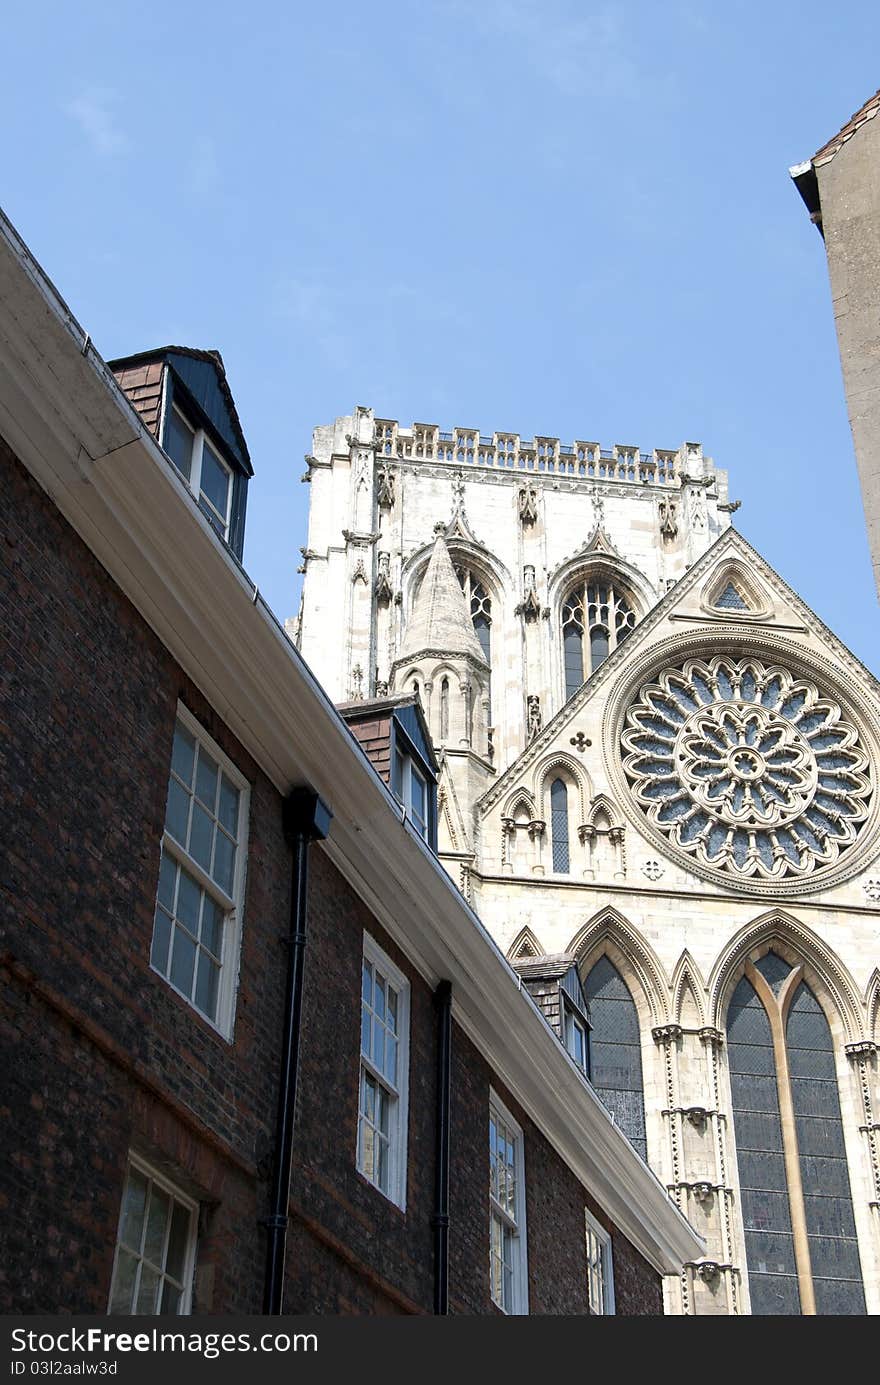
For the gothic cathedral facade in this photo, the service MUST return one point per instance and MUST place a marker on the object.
(655, 762)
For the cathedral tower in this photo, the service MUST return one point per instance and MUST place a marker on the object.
(659, 772)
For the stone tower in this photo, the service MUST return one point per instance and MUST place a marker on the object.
(659, 767)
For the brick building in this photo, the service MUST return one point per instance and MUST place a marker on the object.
(156, 720)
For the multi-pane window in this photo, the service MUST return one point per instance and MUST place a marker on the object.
(155, 1246)
(800, 1237)
(410, 786)
(196, 928)
(596, 618)
(209, 478)
(382, 1114)
(559, 827)
(576, 1039)
(508, 1280)
(480, 606)
(616, 1051)
(600, 1281)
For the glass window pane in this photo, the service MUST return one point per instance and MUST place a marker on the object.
(161, 940)
(615, 1049)
(135, 1200)
(206, 779)
(368, 1150)
(189, 898)
(229, 797)
(157, 1224)
(214, 482)
(390, 1068)
(147, 1291)
(123, 1282)
(183, 753)
(167, 880)
(175, 1262)
(559, 826)
(177, 811)
(178, 442)
(201, 836)
(207, 982)
(183, 958)
(379, 996)
(365, 1031)
(171, 1296)
(224, 862)
(212, 927)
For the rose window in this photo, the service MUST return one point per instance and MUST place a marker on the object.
(746, 768)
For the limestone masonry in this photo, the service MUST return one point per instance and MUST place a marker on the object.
(657, 762)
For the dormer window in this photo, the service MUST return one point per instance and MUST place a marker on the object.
(183, 399)
(410, 786)
(208, 476)
(577, 1038)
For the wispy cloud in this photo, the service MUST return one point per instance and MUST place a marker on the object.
(93, 111)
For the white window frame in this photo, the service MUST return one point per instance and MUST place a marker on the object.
(572, 1020)
(232, 904)
(154, 1176)
(519, 1304)
(405, 767)
(600, 1267)
(200, 442)
(399, 1097)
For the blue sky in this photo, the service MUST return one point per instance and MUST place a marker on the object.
(551, 216)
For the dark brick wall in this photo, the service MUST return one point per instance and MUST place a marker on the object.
(92, 1038)
(99, 1055)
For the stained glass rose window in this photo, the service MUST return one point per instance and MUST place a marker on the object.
(746, 768)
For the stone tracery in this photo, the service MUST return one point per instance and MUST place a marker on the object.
(746, 768)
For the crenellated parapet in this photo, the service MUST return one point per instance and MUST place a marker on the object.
(466, 447)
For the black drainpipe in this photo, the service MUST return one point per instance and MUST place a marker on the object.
(306, 819)
(443, 1001)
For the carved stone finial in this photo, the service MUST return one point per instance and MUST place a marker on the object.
(528, 504)
(530, 606)
(382, 588)
(385, 488)
(668, 519)
(357, 683)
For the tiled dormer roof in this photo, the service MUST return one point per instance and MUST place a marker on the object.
(140, 377)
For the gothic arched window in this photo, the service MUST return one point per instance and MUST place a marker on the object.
(801, 1249)
(559, 826)
(444, 709)
(480, 606)
(596, 616)
(616, 1050)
